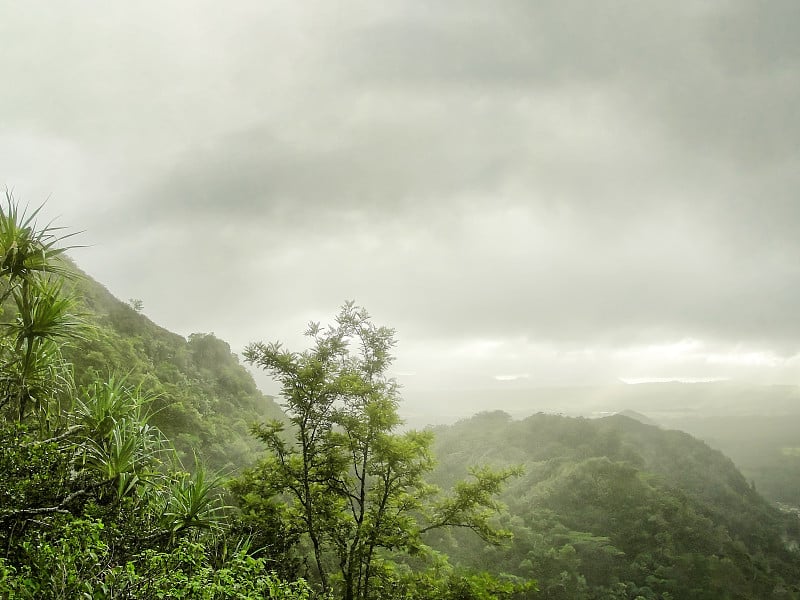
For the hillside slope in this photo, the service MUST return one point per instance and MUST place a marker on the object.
(204, 399)
(765, 447)
(613, 508)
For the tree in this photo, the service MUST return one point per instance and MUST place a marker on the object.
(340, 476)
(136, 304)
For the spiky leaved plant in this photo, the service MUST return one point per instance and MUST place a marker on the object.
(33, 374)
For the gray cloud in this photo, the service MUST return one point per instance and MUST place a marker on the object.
(723, 76)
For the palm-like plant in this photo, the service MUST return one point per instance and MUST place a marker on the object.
(98, 406)
(38, 380)
(124, 457)
(34, 374)
(120, 447)
(193, 502)
(26, 249)
(44, 312)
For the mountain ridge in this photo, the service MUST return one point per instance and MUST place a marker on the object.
(204, 400)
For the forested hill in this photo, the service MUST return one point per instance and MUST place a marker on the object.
(204, 400)
(613, 508)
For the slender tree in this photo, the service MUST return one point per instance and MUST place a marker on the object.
(341, 474)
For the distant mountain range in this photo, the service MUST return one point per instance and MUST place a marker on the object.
(661, 402)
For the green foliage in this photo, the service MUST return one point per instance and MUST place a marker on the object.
(459, 509)
(185, 572)
(764, 447)
(61, 563)
(34, 474)
(102, 404)
(444, 582)
(78, 563)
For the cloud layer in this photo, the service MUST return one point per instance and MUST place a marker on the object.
(562, 182)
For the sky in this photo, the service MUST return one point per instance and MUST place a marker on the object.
(531, 193)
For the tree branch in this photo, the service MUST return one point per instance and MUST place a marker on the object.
(58, 438)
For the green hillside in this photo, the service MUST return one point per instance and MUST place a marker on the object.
(204, 400)
(757, 426)
(766, 448)
(613, 508)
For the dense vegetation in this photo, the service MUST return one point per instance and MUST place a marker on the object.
(112, 430)
(613, 508)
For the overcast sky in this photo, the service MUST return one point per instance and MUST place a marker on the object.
(546, 192)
